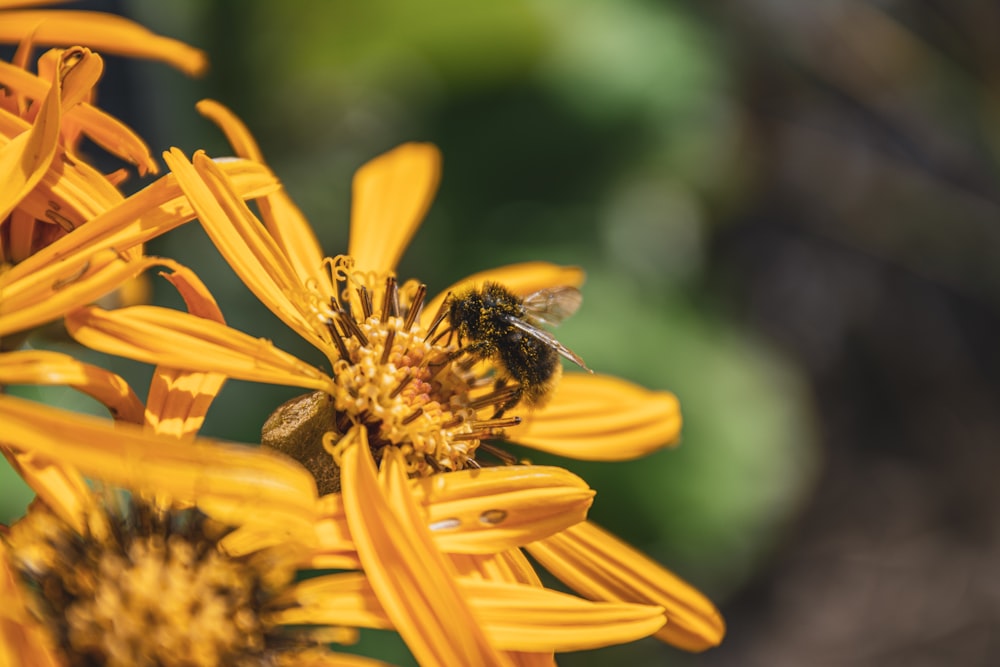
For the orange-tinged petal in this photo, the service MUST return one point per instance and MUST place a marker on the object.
(235, 484)
(23, 641)
(390, 197)
(478, 511)
(60, 487)
(246, 246)
(41, 367)
(411, 579)
(600, 566)
(106, 130)
(510, 566)
(513, 616)
(32, 300)
(282, 218)
(154, 210)
(178, 400)
(522, 279)
(101, 32)
(157, 335)
(25, 158)
(489, 510)
(601, 418)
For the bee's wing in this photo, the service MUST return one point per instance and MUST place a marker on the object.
(548, 339)
(552, 305)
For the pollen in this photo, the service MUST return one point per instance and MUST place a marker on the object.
(411, 386)
(157, 591)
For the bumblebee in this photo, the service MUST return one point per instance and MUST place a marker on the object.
(498, 325)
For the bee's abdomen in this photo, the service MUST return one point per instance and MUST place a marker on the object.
(530, 362)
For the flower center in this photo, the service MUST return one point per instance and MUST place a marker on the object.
(411, 387)
(157, 591)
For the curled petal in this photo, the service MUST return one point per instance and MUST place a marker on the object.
(410, 578)
(163, 336)
(522, 279)
(106, 131)
(600, 566)
(178, 400)
(601, 418)
(390, 197)
(102, 32)
(41, 367)
(235, 484)
(27, 156)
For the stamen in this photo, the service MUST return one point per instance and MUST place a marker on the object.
(387, 347)
(366, 301)
(337, 339)
(390, 305)
(412, 417)
(432, 462)
(415, 307)
(402, 385)
(352, 327)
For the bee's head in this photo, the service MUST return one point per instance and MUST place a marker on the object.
(464, 312)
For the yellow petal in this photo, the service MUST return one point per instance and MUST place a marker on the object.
(478, 511)
(601, 418)
(282, 218)
(390, 197)
(40, 367)
(106, 131)
(23, 641)
(493, 509)
(234, 483)
(521, 279)
(101, 32)
(514, 617)
(245, 245)
(157, 335)
(411, 579)
(30, 300)
(600, 566)
(510, 566)
(64, 268)
(60, 487)
(178, 400)
(25, 158)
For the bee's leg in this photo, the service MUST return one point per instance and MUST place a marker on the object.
(514, 399)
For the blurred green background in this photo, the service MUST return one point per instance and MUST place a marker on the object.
(788, 213)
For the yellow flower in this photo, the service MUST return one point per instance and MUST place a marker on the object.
(50, 261)
(153, 579)
(47, 189)
(401, 392)
(103, 32)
